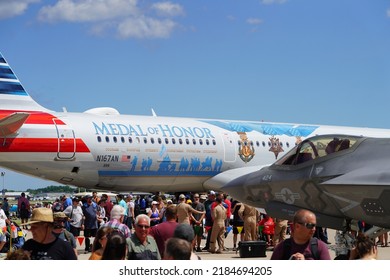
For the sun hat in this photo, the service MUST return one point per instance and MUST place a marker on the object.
(59, 215)
(40, 215)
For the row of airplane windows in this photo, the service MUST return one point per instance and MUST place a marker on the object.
(213, 142)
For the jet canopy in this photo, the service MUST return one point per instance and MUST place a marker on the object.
(317, 147)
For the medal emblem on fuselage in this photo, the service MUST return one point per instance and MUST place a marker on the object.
(276, 147)
(246, 151)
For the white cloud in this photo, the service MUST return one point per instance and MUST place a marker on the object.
(270, 2)
(145, 27)
(11, 8)
(123, 17)
(88, 10)
(168, 9)
(254, 21)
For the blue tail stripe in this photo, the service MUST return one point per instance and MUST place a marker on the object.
(12, 88)
(6, 73)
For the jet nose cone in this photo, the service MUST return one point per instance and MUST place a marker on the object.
(249, 189)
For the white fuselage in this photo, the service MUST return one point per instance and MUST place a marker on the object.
(142, 153)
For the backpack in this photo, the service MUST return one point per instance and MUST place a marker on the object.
(313, 248)
(23, 206)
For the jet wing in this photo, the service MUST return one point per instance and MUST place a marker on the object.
(12, 123)
(220, 180)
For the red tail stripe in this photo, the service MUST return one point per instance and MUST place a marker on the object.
(42, 145)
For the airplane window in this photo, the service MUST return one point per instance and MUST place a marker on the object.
(207, 142)
(123, 139)
(99, 139)
(173, 141)
(115, 139)
(194, 141)
(180, 141)
(187, 141)
(263, 143)
(166, 141)
(107, 139)
(200, 142)
(288, 145)
(281, 144)
(239, 143)
(269, 144)
(257, 143)
(251, 143)
(152, 140)
(130, 140)
(138, 141)
(145, 140)
(214, 142)
(159, 140)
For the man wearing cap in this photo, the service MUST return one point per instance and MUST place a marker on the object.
(185, 231)
(197, 220)
(60, 231)
(185, 210)
(76, 217)
(90, 221)
(44, 245)
(116, 221)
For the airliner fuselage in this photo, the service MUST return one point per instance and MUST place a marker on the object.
(102, 149)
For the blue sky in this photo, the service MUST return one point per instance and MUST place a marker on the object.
(300, 61)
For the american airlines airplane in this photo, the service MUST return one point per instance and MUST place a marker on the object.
(104, 150)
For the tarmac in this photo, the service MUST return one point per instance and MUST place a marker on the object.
(383, 252)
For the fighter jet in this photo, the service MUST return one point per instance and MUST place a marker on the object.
(341, 178)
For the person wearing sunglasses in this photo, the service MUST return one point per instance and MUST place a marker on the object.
(142, 246)
(302, 245)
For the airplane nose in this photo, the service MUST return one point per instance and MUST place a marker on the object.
(249, 189)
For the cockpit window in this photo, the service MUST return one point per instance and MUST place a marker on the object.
(317, 147)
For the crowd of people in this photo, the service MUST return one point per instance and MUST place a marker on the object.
(158, 227)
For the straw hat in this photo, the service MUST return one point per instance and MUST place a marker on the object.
(40, 215)
(59, 216)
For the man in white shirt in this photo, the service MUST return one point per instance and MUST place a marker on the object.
(76, 216)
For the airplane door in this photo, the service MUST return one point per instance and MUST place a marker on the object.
(66, 141)
(229, 147)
